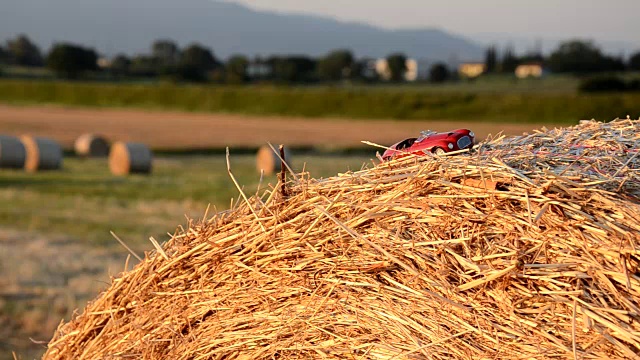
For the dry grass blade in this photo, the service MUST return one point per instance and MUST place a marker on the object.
(126, 246)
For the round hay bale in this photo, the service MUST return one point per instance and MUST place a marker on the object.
(91, 145)
(269, 162)
(404, 260)
(130, 158)
(41, 153)
(12, 152)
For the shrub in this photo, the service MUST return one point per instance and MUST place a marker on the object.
(603, 84)
(634, 85)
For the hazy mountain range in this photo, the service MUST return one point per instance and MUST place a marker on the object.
(130, 26)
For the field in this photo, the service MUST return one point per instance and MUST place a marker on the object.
(545, 104)
(179, 131)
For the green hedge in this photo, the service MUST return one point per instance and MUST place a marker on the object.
(357, 103)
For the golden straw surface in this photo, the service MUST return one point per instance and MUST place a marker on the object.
(400, 261)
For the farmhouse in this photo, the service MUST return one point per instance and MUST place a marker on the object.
(471, 69)
(104, 63)
(415, 69)
(534, 70)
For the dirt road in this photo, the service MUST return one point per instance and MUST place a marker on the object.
(178, 130)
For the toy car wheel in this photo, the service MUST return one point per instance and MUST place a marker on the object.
(438, 151)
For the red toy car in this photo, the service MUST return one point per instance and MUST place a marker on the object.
(432, 142)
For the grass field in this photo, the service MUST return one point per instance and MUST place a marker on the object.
(400, 103)
(85, 201)
(55, 226)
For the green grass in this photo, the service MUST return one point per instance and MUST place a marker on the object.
(498, 83)
(401, 103)
(85, 201)
(27, 72)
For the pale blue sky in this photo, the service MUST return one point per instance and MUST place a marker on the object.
(606, 21)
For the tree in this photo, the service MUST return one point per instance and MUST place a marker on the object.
(634, 62)
(337, 65)
(509, 61)
(23, 52)
(166, 52)
(4, 58)
(439, 73)
(4, 55)
(358, 69)
(397, 64)
(260, 69)
(491, 59)
(581, 57)
(603, 83)
(531, 57)
(236, 68)
(71, 61)
(120, 65)
(143, 65)
(195, 62)
(291, 69)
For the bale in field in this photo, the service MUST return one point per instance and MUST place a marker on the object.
(12, 152)
(409, 260)
(130, 158)
(91, 145)
(269, 162)
(41, 153)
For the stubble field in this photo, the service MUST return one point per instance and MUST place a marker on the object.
(180, 130)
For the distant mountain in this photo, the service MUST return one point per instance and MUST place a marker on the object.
(130, 26)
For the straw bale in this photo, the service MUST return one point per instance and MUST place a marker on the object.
(130, 158)
(91, 145)
(41, 153)
(269, 162)
(12, 152)
(400, 260)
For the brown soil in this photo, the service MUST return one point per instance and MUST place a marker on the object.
(179, 130)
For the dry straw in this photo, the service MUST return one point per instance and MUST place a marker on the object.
(91, 145)
(12, 152)
(130, 158)
(41, 153)
(400, 261)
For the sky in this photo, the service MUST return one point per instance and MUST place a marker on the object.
(613, 21)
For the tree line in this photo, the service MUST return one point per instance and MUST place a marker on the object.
(194, 63)
(574, 57)
(198, 63)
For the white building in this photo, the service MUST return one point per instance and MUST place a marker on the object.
(533, 70)
(416, 70)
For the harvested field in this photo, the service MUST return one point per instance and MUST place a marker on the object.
(175, 130)
(44, 279)
(402, 260)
